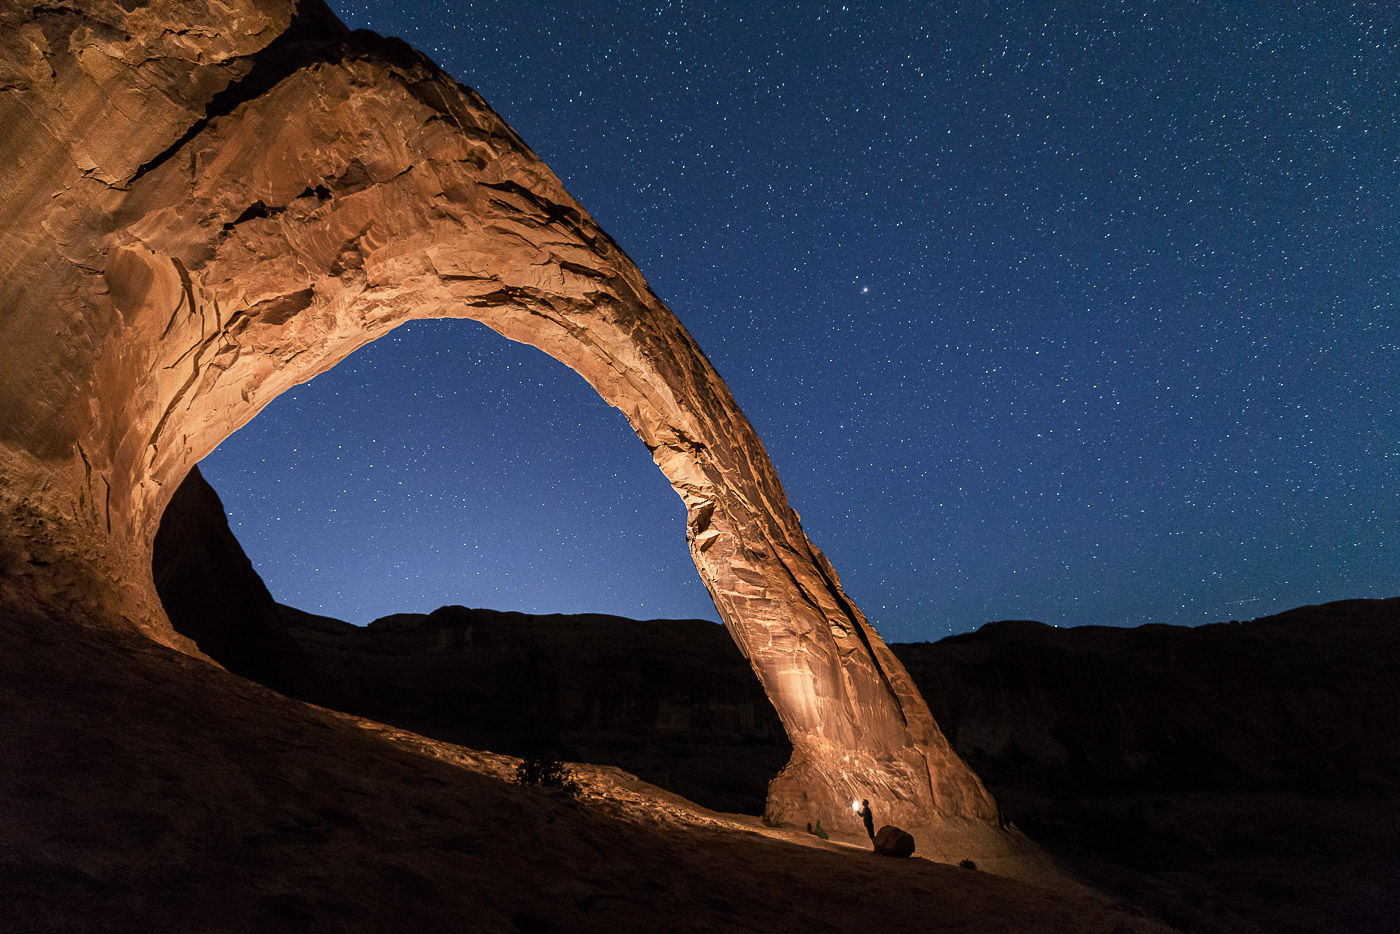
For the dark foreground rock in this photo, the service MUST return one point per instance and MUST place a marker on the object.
(148, 791)
(891, 841)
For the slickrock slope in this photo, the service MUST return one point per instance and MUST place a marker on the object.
(146, 790)
(1231, 778)
(205, 204)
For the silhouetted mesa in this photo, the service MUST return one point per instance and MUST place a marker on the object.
(1240, 776)
(672, 701)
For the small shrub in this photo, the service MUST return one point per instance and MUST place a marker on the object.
(547, 773)
(817, 831)
(968, 864)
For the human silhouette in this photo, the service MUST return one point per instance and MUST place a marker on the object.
(868, 817)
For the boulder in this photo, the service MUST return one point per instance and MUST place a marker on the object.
(891, 841)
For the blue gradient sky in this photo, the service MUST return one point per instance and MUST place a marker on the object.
(1085, 315)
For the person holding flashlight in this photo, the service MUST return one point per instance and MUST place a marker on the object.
(868, 817)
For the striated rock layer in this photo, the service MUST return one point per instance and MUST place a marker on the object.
(205, 204)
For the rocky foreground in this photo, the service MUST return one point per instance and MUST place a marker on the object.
(146, 790)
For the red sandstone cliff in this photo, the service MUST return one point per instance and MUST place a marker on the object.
(207, 203)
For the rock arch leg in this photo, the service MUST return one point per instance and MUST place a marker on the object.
(213, 234)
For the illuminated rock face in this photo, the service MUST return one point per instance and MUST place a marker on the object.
(205, 207)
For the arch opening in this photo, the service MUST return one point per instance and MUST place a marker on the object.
(522, 682)
(443, 465)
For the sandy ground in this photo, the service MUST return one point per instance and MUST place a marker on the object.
(146, 790)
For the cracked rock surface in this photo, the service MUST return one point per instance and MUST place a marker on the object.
(208, 203)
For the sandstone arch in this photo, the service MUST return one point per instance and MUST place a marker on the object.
(208, 207)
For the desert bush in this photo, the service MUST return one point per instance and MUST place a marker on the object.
(544, 772)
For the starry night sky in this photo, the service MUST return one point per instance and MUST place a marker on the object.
(1083, 315)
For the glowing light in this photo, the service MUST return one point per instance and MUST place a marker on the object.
(855, 806)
